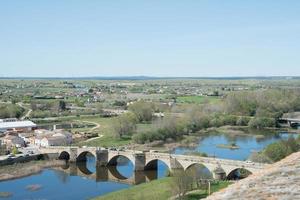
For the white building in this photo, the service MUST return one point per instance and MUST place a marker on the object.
(13, 141)
(46, 138)
(13, 125)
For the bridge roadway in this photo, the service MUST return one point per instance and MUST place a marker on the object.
(220, 168)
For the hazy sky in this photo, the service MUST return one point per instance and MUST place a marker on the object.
(149, 37)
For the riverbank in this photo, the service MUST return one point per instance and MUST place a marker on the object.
(191, 141)
(20, 170)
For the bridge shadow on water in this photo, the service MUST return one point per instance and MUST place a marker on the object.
(121, 171)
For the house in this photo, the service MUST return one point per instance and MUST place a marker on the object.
(15, 125)
(13, 141)
(45, 138)
(27, 137)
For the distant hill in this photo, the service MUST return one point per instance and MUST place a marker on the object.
(154, 78)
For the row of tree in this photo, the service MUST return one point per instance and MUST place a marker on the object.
(255, 109)
(11, 111)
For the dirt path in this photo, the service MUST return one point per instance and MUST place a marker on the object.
(92, 129)
(28, 112)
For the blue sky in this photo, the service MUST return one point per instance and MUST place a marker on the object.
(153, 37)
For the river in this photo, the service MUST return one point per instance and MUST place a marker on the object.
(85, 181)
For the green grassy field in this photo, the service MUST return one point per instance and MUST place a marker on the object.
(198, 99)
(157, 190)
(106, 129)
(154, 190)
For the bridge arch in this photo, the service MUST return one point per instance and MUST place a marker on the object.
(121, 166)
(115, 159)
(153, 164)
(82, 156)
(238, 173)
(64, 155)
(199, 170)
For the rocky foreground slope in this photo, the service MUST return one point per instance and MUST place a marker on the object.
(278, 181)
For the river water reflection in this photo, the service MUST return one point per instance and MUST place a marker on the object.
(79, 181)
(247, 144)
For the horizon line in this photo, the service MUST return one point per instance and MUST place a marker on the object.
(144, 77)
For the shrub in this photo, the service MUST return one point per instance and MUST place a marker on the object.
(277, 151)
(242, 121)
(261, 122)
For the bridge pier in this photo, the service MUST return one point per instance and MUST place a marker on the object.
(174, 164)
(73, 154)
(101, 158)
(219, 174)
(101, 173)
(139, 162)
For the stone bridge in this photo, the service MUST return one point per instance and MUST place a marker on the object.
(220, 168)
(290, 121)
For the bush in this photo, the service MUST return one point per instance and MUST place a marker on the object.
(260, 123)
(260, 158)
(242, 121)
(276, 151)
(10, 111)
(229, 120)
(143, 110)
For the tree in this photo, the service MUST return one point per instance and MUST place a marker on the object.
(62, 105)
(99, 108)
(277, 151)
(181, 183)
(15, 150)
(11, 111)
(259, 157)
(261, 122)
(143, 110)
(242, 121)
(125, 124)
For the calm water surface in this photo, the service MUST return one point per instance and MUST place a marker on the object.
(246, 143)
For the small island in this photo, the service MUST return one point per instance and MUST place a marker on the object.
(228, 146)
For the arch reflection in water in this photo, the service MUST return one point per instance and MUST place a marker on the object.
(199, 171)
(112, 173)
(121, 165)
(156, 169)
(86, 162)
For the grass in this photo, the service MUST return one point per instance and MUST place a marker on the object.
(106, 129)
(200, 194)
(198, 99)
(158, 190)
(107, 141)
(154, 190)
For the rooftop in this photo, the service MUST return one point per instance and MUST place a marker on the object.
(17, 124)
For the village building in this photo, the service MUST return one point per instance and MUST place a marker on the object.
(12, 141)
(13, 124)
(45, 138)
(27, 137)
